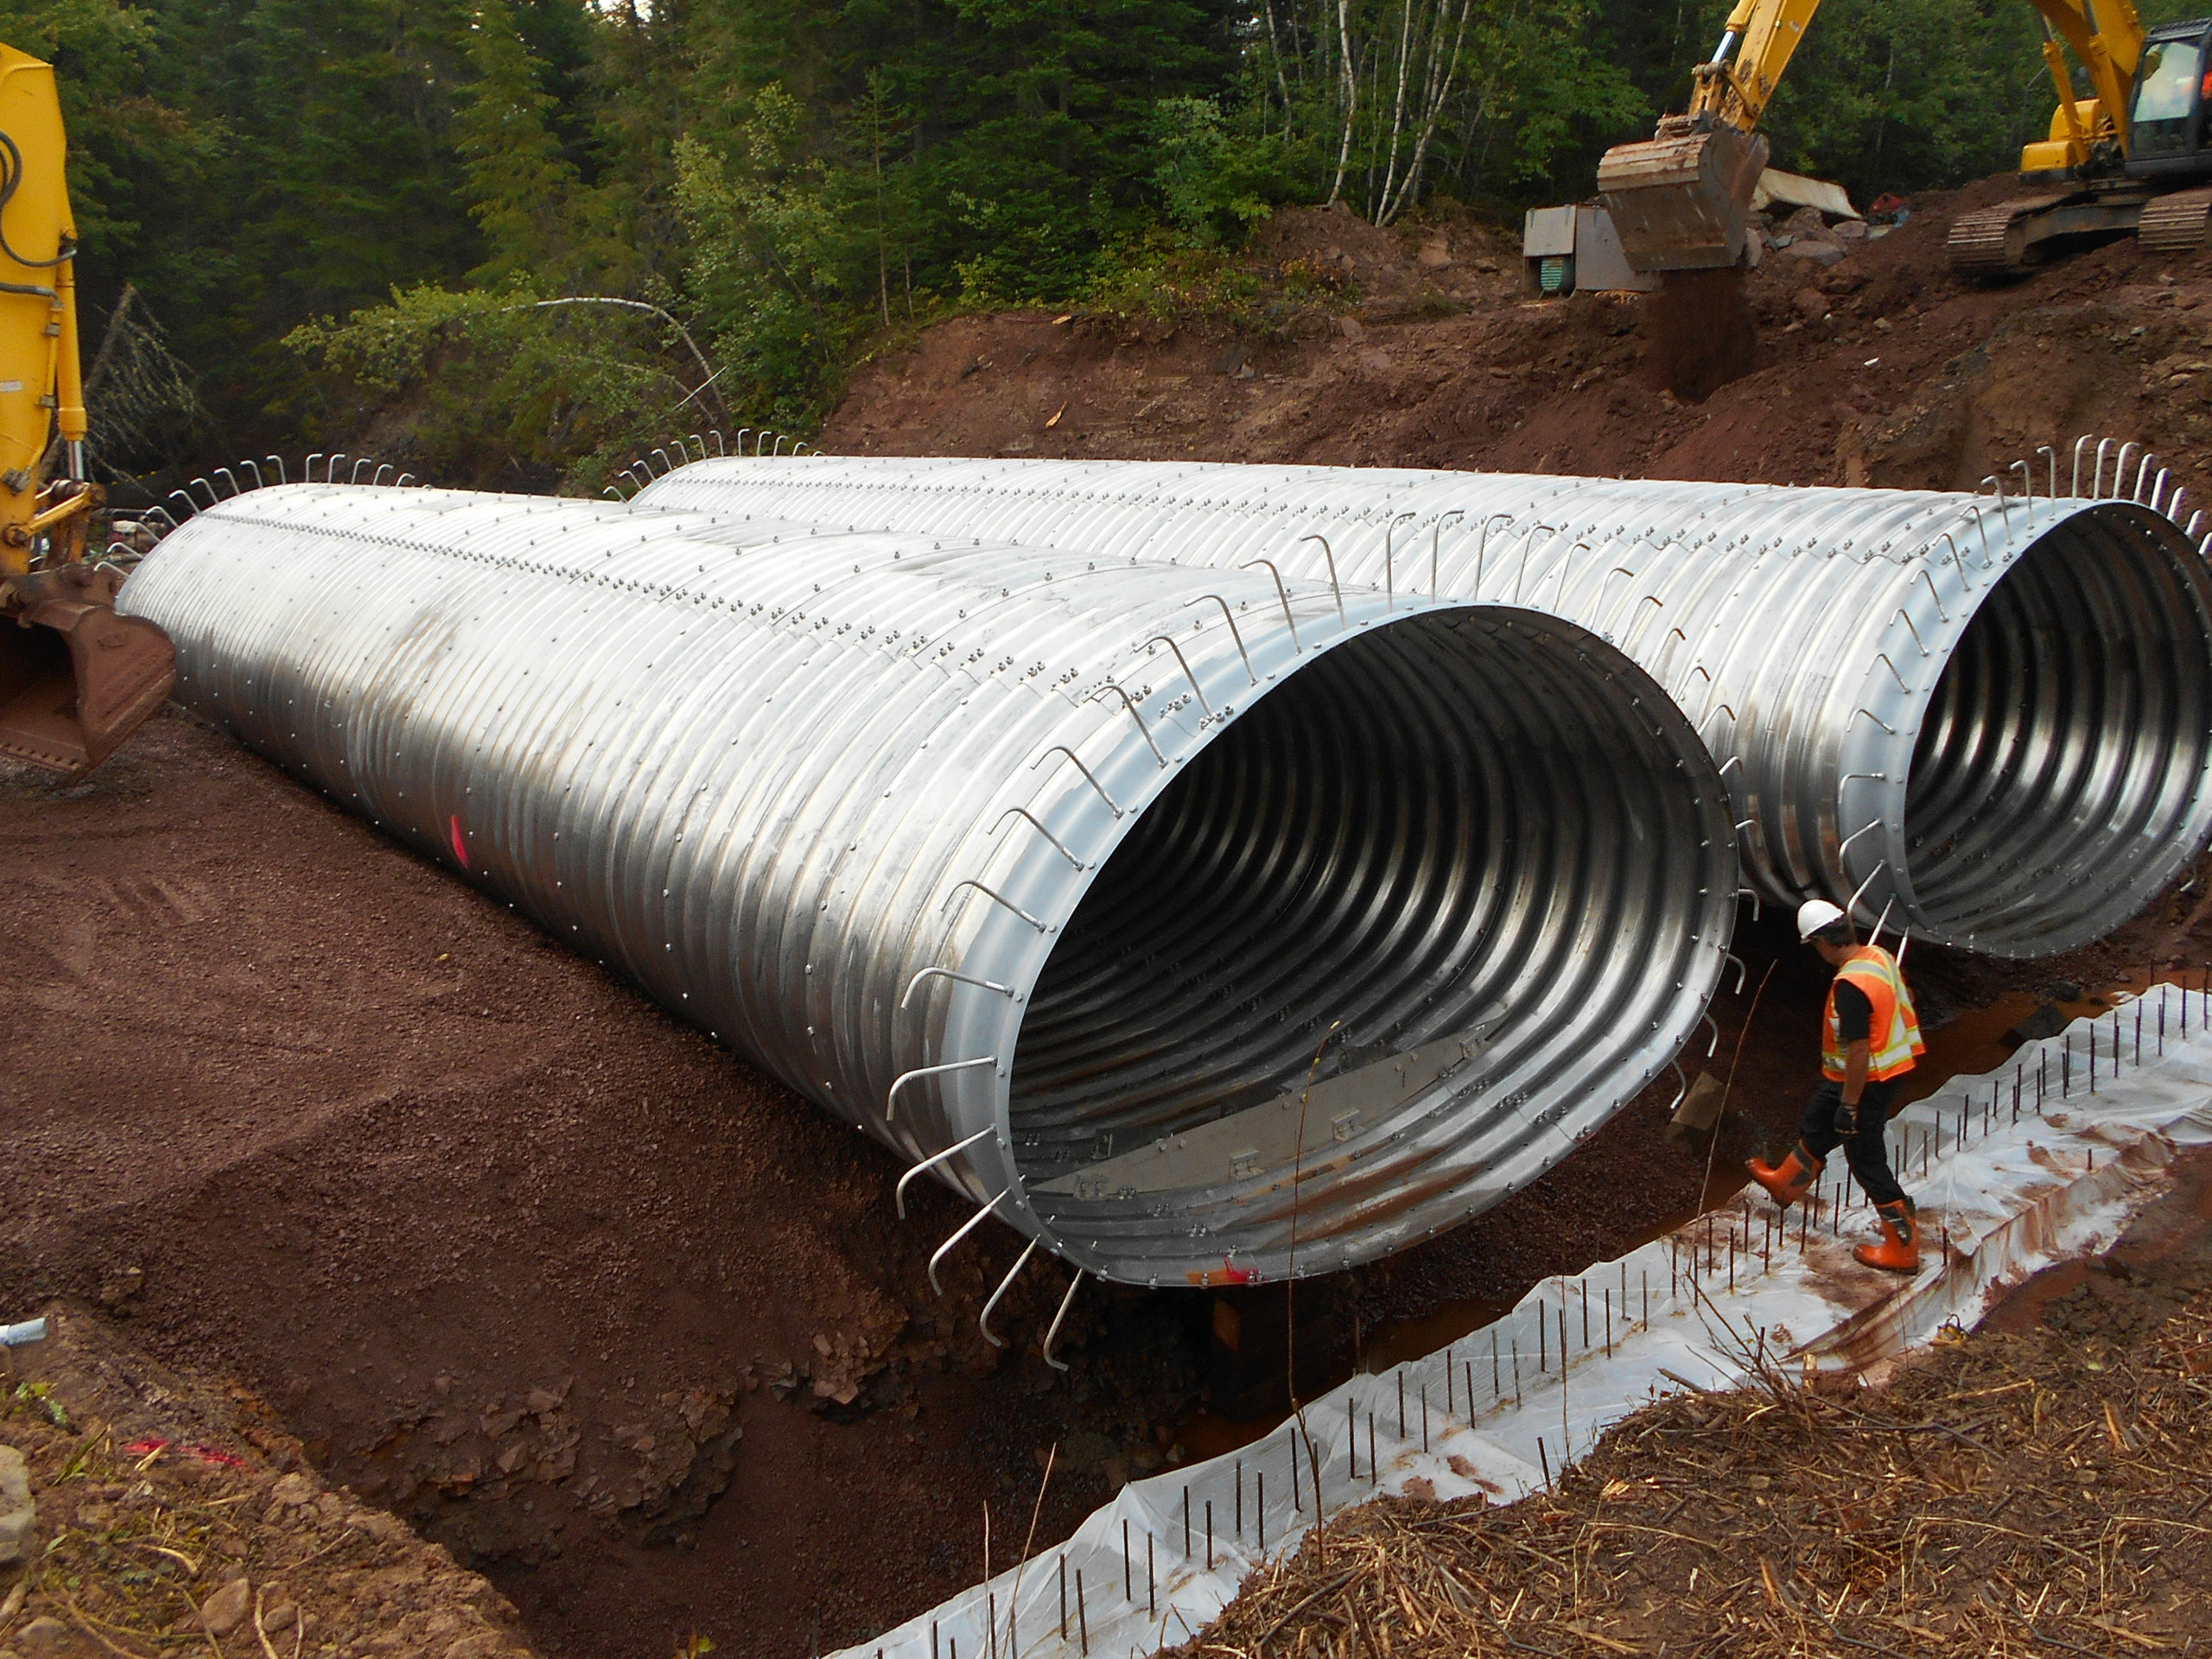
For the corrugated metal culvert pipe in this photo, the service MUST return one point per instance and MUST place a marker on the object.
(1985, 720)
(1068, 873)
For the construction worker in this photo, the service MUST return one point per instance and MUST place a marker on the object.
(1870, 1036)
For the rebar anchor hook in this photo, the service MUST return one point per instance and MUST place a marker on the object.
(1482, 549)
(1329, 554)
(1521, 570)
(965, 1228)
(1128, 704)
(1162, 639)
(1389, 532)
(1435, 541)
(891, 1095)
(898, 1193)
(984, 1320)
(1088, 776)
(1283, 594)
(1227, 616)
(1058, 1319)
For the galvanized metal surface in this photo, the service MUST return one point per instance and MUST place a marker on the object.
(1984, 718)
(1040, 867)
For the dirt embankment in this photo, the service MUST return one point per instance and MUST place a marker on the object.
(1880, 368)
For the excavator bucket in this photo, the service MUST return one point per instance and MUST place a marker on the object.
(76, 680)
(1681, 201)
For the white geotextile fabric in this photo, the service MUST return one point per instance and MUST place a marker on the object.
(2012, 1170)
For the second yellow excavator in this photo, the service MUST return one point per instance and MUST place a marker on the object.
(2135, 156)
(75, 678)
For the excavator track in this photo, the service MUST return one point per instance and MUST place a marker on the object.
(2176, 223)
(2018, 235)
(1981, 244)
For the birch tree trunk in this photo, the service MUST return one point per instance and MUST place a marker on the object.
(1349, 84)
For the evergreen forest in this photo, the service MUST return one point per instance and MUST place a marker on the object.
(521, 234)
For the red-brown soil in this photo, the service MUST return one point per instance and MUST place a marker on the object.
(171, 1514)
(1911, 378)
(625, 1325)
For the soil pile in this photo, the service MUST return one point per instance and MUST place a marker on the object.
(2041, 1487)
(1873, 364)
(170, 1515)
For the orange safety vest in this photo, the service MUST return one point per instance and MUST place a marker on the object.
(1893, 1034)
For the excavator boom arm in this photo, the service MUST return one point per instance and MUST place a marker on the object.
(1739, 80)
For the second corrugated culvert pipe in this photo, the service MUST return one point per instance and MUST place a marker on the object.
(1196, 924)
(1984, 719)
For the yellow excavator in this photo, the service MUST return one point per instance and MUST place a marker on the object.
(75, 678)
(2135, 157)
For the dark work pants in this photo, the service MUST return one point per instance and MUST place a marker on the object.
(1863, 1147)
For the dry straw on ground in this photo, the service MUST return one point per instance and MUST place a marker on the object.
(2047, 1493)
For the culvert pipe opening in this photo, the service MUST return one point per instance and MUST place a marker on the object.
(1424, 915)
(2058, 778)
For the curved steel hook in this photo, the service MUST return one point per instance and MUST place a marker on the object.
(191, 507)
(1088, 777)
(891, 1095)
(1052, 1335)
(330, 467)
(1435, 538)
(202, 483)
(899, 1194)
(1521, 570)
(258, 482)
(906, 999)
(1482, 547)
(1162, 639)
(1229, 617)
(2074, 484)
(2119, 464)
(1283, 594)
(225, 471)
(964, 1228)
(382, 467)
(984, 1320)
(307, 471)
(1134, 714)
(1330, 555)
(365, 460)
(1389, 551)
(1059, 845)
(277, 461)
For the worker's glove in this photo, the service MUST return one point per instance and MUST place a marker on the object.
(1846, 1119)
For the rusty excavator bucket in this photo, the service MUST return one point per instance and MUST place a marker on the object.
(1683, 201)
(76, 680)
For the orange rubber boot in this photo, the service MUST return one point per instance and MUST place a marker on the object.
(1899, 1250)
(1793, 1179)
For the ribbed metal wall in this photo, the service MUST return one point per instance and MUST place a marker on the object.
(1986, 719)
(1156, 848)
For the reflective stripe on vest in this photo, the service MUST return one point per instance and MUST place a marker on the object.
(1893, 1033)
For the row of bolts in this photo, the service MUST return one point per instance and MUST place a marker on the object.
(1931, 1144)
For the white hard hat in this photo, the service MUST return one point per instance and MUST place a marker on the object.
(1813, 915)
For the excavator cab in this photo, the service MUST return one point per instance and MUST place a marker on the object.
(2167, 113)
(75, 678)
